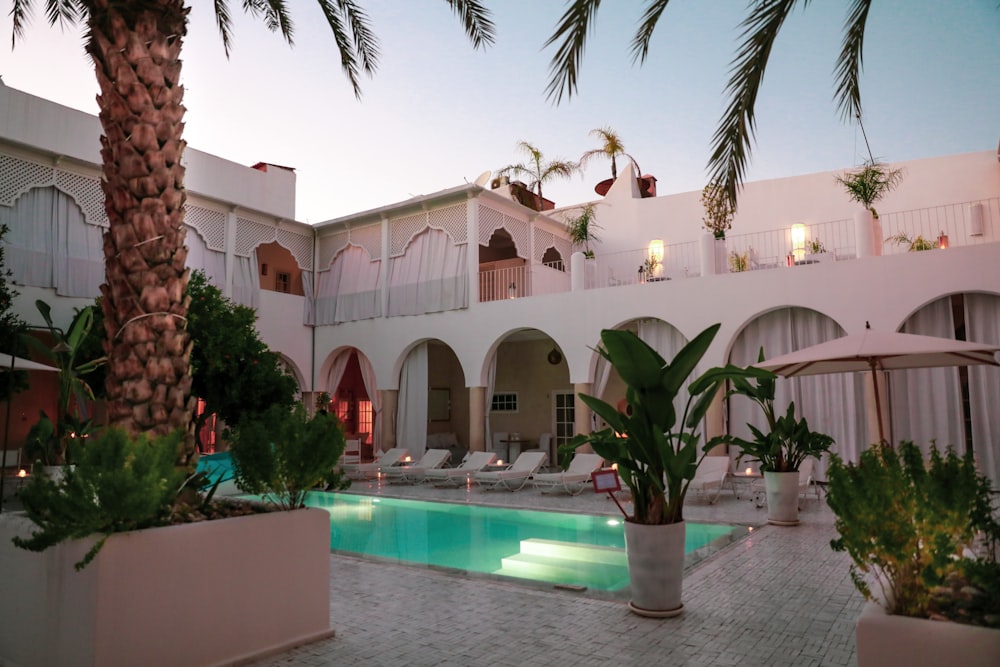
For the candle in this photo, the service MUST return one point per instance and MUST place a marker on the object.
(749, 471)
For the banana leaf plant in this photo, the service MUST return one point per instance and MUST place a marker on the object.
(657, 449)
(73, 387)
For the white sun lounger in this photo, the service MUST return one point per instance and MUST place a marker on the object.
(515, 476)
(710, 477)
(574, 479)
(369, 470)
(474, 462)
(415, 472)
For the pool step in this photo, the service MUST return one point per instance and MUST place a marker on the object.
(567, 563)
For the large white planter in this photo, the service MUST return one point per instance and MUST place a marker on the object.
(886, 641)
(864, 234)
(207, 593)
(656, 568)
(782, 498)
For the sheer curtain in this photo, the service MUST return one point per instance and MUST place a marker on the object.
(602, 373)
(212, 262)
(336, 372)
(368, 377)
(309, 311)
(668, 341)
(431, 277)
(833, 404)
(50, 244)
(926, 403)
(351, 289)
(982, 325)
(491, 380)
(246, 280)
(411, 420)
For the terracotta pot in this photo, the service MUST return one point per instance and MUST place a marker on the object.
(656, 568)
(782, 498)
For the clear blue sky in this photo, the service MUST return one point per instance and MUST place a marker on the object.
(438, 113)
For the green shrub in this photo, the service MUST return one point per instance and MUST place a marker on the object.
(909, 525)
(281, 454)
(118, 484)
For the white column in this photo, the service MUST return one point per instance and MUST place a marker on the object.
(477, 419)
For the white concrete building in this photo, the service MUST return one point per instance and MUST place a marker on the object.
(465, 315)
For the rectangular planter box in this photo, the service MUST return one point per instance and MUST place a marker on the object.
(884, 640)
(209, 593)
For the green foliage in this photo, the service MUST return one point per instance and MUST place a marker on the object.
(815, 246)
(719, 211)
(970, 595)
(582, 229)
(905, 522)
(74, 365)
(281, 454)
(788, 441)
(611, 148)
(118, 484)
(11, 327)
(655, 448)
(232, 369)
(52, 446)
(870, 183)
(537, 169)
(913, 245)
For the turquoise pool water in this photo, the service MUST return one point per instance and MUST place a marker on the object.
(554, 547)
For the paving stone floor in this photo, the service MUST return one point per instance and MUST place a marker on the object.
(778, 597)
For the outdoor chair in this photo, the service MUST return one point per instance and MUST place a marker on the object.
(807, 483)
(515, 476)
(710, 477)
(393, 457)
(574, 479)
(473, 463)
(415, 472)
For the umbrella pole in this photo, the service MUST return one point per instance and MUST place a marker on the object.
(878, 404)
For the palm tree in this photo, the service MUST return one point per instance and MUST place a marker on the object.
(537, 170)
(611, 147)
(136, 49)
(734, 135)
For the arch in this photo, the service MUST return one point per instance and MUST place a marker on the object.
(553, 258)
(277, 269)
(833, 404)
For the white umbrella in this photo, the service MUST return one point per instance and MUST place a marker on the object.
(9, 362)
(881, 351)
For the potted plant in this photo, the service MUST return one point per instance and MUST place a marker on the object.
(718, 219)
(867, 185)
(913, 245)
(781, 450)
(538, 171)
(582, 229)
(923, 543)
(114, 524)
(657, 454)
(612, 148)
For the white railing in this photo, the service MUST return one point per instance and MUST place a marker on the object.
(964, 223)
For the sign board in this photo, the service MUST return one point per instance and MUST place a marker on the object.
(606, 481)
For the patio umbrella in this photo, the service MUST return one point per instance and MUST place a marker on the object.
(11, 363)
(881, 351)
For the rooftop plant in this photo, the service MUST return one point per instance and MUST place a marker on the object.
(582, 229)
(537, 170)
(611, 148)
(719, 211)
(870, 183)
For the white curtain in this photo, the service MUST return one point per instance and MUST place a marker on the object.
(602, 373)
(411, 420)
(50, 244)
(491, 380)
(833, 404)
(246, 281)
(926, 403)
(212, 262)
(431, 277)
(336, 373)
(982, 325)
(368, 377)
(351, 289)
(309, 312)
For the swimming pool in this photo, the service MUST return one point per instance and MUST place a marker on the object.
(554, 547)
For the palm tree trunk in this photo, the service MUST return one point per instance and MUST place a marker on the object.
(136, 49)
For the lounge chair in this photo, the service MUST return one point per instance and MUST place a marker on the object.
(807, 482)
(574, 479)
(711, 476)
(368, 470)
(474, 462)
(414, 472)
(514, 476)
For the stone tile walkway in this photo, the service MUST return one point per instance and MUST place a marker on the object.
(779, 597)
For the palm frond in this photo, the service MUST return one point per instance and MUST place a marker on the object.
(476, 20)
(365, 42)
(647, 25)
(224, 22)
(849, 63)
(344, 37)
(275, 15)
(733, 138)
(571, 31)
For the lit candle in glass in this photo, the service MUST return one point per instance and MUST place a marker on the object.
(749, 471)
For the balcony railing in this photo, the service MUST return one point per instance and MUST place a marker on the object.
(964, 223)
